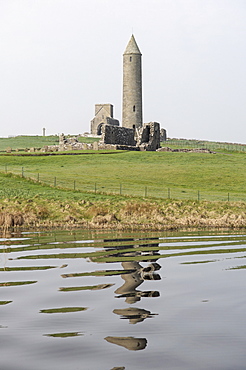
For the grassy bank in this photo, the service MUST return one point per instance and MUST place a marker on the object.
(140, 190)
(29, 204)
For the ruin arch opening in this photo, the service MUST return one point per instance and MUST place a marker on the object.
(99, 129)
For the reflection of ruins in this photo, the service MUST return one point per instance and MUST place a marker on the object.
(133, 344)
(138, 258)
(133, 275)
(133, 272)
(133, 314)
(134, 279)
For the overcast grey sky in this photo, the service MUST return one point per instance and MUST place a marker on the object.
(60, 57)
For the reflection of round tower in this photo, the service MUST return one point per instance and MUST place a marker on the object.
(132, 86)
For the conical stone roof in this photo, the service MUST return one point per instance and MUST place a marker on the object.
(132, 47)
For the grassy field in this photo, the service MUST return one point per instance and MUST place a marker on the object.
(212, 145)
(23, 142)
(157, 190)
(153, 174)
(33, 205)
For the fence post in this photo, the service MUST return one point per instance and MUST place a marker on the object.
(22, 171)
(198, 195)
(74, 185)
(95, 187)
(55, 181)
(38, 177)
(168, 193)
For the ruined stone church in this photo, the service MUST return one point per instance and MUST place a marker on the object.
(133, 134)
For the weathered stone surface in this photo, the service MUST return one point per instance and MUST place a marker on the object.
(114, 138)
(117, 135)
(127, 147)
(132, 116)
(84, 146)
(103, 115)
(163, 135)
(95, 145)
(148, 136)
(143, 138)
(103, 146)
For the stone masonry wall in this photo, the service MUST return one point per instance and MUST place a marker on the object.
(148, 136)
(103, 114)
(117, 135)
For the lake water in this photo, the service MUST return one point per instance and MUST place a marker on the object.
(102, 301)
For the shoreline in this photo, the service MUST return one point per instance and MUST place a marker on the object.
(124, 215)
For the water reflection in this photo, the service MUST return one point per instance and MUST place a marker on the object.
(63, 310)
(27, 268)
(134, 279)
(133, 344)
(16, 283)
(90, 287)
(110, 309)
(133, 275)
(64, 335)
(134, 315)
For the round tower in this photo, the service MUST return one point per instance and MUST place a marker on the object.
(132, 115)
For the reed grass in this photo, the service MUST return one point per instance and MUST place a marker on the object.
(44, 206)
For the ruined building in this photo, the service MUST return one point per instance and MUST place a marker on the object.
(103, 115)
(133, 135)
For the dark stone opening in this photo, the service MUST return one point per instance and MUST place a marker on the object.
(99, 129)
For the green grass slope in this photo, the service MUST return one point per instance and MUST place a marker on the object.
(29, 204)
(154, 174)
(139, 190)
(22, 142)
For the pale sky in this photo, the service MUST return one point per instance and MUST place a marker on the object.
(58, 58)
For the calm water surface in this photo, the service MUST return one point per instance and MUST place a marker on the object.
(102, 301)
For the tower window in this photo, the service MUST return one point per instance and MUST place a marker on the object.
(134, 108)
(130, 59)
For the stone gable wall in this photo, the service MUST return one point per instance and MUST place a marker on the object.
(148, 136)
(117, 135)
(144, 138)
(103, 114)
